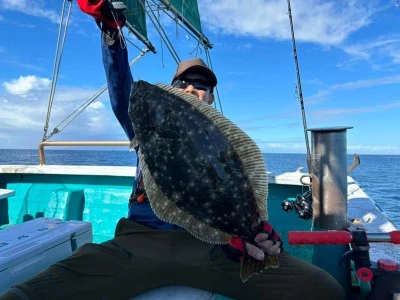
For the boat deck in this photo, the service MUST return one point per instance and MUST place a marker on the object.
(99, 195)
(110, 186)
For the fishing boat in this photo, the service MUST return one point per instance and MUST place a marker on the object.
(48, 211)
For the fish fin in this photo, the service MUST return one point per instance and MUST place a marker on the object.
(133, 144)
(251, 266)
(247, 150)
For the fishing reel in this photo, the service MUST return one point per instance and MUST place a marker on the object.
(302, 204)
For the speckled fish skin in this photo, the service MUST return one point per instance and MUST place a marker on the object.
(200, 170)
(193, 163)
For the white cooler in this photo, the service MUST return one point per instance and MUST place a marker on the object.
(30, 247)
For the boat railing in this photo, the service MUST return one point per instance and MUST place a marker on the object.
(42, 158)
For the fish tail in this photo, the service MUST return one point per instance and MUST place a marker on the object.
(251, 266)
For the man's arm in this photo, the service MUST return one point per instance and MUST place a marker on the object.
(119, 79)
(115, 59)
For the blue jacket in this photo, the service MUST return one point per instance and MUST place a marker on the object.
(119, 80)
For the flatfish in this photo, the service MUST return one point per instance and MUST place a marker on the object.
(200, 170)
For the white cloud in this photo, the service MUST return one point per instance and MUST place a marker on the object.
(327, 23)
(273, 145)
(31, 7)
(352, 85)
(96, 105)
(287, 143)
(324, 115)
(318, 21)
(19, 64)
(366, 83)
(25, 84)
(245, 46)
(375, 149)
(290, 146)
(16, 116)
(24, 108)
(382, 47)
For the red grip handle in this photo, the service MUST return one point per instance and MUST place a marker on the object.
(319, 237)
(395, 237)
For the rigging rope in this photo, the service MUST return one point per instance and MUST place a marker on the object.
(176, 19)
(84, 105)
(161, 42)
(300, 92)
(57, 63)
(196, 49)
(171, 48)
(122, 40)
(216, 88)
(163, 35)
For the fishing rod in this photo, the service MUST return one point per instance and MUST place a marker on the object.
(299, 89)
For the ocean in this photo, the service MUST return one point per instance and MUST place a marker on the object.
(378, 175)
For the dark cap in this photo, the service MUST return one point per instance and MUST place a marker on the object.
(196, 66)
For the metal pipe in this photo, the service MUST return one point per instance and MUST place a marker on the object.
(379, 237)
(202, 38)
(42, 158)
(141, 38)
(329, 178)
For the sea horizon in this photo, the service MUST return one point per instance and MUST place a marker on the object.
(127, 150)
(378, 175)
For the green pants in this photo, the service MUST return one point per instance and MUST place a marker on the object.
(139, 259)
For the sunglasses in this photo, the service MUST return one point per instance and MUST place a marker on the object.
(184, 83)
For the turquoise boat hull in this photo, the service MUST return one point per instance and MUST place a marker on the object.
(99, 195)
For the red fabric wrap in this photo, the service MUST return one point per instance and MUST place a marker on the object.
(100, 10)
(273, 235)
(237, 243)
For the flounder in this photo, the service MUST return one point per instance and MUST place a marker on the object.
(200, 170)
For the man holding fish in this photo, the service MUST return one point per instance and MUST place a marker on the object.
(146, 252)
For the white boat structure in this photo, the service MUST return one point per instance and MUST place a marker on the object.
(47, 211)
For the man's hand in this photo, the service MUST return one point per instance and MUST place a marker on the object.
(264, 245)
(267, 241)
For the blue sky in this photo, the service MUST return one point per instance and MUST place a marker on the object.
(349, 55)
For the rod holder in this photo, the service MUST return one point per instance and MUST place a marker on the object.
(329, 177)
